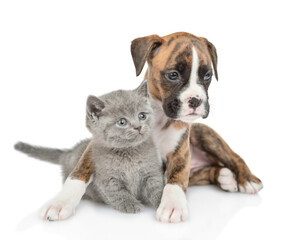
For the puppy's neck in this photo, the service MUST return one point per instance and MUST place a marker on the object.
(160, 117)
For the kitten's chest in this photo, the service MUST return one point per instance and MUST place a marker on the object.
(129, 168)
(123, 166)
(130, 175)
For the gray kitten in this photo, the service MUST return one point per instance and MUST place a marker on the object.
(128, 169)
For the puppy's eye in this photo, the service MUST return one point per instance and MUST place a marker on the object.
(122, 122)
(172, 76)
(142, 116)
(208, 76)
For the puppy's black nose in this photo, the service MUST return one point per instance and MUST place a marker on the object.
(194, 102)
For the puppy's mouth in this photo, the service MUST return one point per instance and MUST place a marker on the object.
(191, 117)
(192, 114)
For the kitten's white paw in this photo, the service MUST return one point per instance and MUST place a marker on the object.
(64, 204)
(173, 207)
(251, 187)
(57, 210)
(227, 180)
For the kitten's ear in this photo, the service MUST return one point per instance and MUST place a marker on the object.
(94, 106)
(142, 89)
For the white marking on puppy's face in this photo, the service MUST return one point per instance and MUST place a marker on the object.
(193, 91)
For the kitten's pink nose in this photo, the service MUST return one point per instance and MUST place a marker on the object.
(138, 129)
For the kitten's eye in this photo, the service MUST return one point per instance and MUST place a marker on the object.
(142, 116)
(172, 76)
(207, 77)
(122, 122)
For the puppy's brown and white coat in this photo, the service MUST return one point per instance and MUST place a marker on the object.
(180, 69)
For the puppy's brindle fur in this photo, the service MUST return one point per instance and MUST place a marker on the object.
(212, 159)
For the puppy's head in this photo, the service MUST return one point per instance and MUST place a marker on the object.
(180, 70)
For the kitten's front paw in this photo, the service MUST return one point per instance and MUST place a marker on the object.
(156, 199)
(130, 207)
(57, 210)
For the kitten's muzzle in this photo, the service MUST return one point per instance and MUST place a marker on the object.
(138, 129)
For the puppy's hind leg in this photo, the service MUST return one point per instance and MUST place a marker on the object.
(208, 141)
(222, 177)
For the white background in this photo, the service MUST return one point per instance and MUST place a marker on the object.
(53, 54)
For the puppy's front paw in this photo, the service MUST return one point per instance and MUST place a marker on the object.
(130, 207)
(173, 207)
(57, 210)
(63, 205)
(251, 187)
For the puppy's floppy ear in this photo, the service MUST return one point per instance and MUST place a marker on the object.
(213, 54)
(94, 106)
(142, 89)
(141, 49)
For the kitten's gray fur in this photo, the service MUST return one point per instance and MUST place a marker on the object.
(128, 170)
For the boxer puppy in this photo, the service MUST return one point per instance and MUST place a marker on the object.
(180, 70)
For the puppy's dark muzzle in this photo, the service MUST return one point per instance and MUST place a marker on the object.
(171, 107)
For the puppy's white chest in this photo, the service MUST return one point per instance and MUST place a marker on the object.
(167, 140)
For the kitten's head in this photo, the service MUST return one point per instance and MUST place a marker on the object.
(121, 118)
